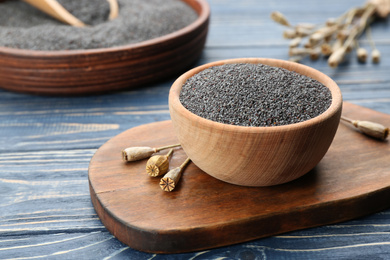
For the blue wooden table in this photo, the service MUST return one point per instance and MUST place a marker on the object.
(46, 144)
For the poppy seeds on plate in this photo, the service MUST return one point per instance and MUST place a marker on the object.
(24, 27)
(254, 95)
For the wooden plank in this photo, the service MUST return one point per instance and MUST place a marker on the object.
(32, 128)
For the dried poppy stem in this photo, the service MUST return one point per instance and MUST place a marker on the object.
(167, 147)
(170, 180)
(372, 129)
(131, 154)
(295, 42)
(336, 37)
(158, 164)
(375, 54)
(280, 18)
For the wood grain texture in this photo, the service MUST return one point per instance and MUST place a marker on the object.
(353, 176)
(231, 153)
(81, 72)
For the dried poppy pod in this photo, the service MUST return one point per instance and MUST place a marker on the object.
(315, 53)
(295, 42)
(280, 18)
(131, 154)
(372, 129)
(137, 153)
(170, 180)
(376, 56)
(345, 29)
(361, 54)
(158, 164)
(336, 58)
(290, 34)
(326, 49)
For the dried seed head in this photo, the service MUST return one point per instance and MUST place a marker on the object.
(372, 129)
(158, 165)
(290, 34)
(170, 180)
(382, 7)
(361, 54)
(326, 49)
(298, 52)
(279, 18)
(302, 32)
(342, 34)
(316, 38)
(307, 45)
(336, 58)
(325, 33)
(328, 38)
(307, 26)
(137, 153)
(376, 56)
(315, 53)
(295, 42)
(331, 22)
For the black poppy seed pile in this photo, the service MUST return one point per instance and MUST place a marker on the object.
(24, 27)
(254, 95)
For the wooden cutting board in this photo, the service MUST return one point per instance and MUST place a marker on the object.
(352, 180)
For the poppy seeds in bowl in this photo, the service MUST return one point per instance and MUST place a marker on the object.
(247, 94)
(24, 27)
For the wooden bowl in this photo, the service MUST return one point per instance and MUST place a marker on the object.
(81, 72)
(256, 156)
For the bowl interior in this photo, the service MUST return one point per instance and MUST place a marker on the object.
(96, 71)
(291, 66)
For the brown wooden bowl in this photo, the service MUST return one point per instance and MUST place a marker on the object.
(81, 72)
(256, 156)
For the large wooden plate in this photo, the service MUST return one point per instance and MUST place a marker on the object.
(352, 180)
(82, 72)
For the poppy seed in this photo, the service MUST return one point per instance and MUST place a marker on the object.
(254, 95)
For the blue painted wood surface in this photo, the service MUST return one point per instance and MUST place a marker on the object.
(46, 144)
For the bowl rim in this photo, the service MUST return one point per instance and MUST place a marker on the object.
(203, 16)
(334, 108)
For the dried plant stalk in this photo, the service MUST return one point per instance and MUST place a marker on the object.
(336, 37)
(375, 54)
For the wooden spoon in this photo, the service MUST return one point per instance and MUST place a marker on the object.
(113, 9)
(54, 9)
